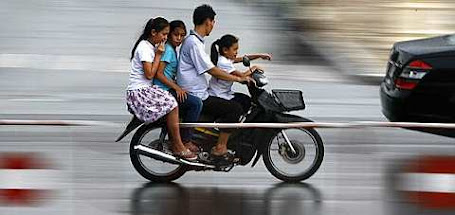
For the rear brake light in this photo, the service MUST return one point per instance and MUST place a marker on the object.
(412, 74)
(405, 84)
(418, 64)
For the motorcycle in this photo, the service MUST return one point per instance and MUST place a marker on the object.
(291, 154)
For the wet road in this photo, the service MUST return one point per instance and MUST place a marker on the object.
(74, 66)
(93, 175)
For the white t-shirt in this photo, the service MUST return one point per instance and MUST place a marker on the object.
(221, 88)
(145, 52)
(193, 63)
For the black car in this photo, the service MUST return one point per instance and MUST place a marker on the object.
(420, 82)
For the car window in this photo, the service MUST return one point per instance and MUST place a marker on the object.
(451, 39)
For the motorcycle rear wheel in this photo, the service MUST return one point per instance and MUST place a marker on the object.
(294, 167)
(149, 168)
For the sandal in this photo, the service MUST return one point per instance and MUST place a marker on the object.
(227, 157)
(192, 147)
(187, 155)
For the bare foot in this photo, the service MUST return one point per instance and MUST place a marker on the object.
(191, 146)
(218, 151)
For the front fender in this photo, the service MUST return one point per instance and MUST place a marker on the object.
(283, 118)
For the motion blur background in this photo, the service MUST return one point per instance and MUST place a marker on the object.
(69, 60)
(356, 36)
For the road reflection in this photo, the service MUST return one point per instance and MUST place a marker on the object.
(283, 198)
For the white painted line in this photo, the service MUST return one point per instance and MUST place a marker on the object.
(58, 122)
(30, 179)
(65, 62)
(37, 100)
(427, 182)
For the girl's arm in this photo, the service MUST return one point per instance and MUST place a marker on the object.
(254, 57)
(181, 94)
(151, 68)
(238, 73)
(160, 76)
(220, 74)
(247, 72)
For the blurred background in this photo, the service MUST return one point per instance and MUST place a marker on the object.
(69, 60)
(356, 36)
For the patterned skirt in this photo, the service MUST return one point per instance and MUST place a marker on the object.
(150, 103)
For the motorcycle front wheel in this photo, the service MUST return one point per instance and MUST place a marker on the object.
(300, 164)
(154, 170)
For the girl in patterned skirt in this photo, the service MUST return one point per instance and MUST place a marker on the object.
(146, 101)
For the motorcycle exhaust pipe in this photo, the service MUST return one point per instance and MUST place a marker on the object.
(158, 155)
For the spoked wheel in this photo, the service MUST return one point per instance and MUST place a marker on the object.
(300, 164)
(149, 168)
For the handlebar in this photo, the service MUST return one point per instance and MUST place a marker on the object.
(260, 79)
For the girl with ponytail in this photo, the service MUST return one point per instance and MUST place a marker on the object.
(224, 54)
(148, 102)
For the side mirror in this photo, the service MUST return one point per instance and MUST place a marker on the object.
(246, 61)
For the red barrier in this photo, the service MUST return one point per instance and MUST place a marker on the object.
(25, 179)
(429, 181)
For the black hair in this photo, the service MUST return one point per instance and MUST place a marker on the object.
(177, 24)
(225, 41)
(202, 13)
(157, 24)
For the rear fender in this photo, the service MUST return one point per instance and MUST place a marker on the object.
(133, 124)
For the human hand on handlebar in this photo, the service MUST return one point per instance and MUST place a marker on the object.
(253, 69)
(245, 80)
(257, 68)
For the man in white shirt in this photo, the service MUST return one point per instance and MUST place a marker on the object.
(194, 62)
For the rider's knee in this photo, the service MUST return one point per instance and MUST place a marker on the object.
(195, 103)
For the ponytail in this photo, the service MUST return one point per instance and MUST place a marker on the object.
(214, 52)
(142, 37)
(225, 41)
(157, 24)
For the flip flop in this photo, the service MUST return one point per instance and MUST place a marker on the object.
(187, 155)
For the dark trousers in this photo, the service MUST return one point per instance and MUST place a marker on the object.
(243, 100)
(224, 111)
(189, 111)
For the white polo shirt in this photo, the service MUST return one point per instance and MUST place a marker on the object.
(221, 88)
(193, 63)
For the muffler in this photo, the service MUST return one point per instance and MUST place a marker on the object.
(159, 155)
